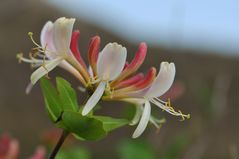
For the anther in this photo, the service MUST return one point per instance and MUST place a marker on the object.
(19, 57)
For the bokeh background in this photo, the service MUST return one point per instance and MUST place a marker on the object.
(201, 37)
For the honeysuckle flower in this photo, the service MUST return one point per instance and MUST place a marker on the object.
(9, 148)
(40, 153)
(109, 76)
(109, 65)
(56, 49)
(149, 94)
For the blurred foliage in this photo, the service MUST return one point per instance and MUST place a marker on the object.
(177, 146)
(74, 153)
(136, 149)
(203, 94)
(129, 111)
(140, 149)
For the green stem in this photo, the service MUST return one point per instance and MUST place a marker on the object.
(58, 145)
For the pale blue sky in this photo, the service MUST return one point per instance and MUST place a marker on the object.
(203, 24)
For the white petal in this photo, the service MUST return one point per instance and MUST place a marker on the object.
(143, 121)
(111, 61)
(94, 99)
(154, 122)
(163, 81)
(47, 38)
(90, 70)
(137, 115)
(62, 32)
(138, 101)
(68, 67)
(139, 93)
(41, 71)
(29, 88)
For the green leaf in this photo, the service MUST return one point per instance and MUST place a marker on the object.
(83, 126)
(51, 98)
(110, 123)
(67, 95)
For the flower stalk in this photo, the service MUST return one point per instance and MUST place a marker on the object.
(59, 144)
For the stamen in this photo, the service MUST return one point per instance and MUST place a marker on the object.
(161, 101)
(30, 34)
(31, 61)
(168, 108)
(82, 89)
(38, 49)
(108, 90)
(94, 80)
(43, 65)
(157, 122)
(19, 56)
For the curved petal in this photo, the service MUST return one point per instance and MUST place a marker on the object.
(94, 99)
(46, 36)
(139, 88)
(137, 115)
(130, 81)
(62, 31)
(13, 151)
(43, 70)
(29, 88)
(163, 81)
(111, 61)
(90, 70)
(93, 52)
(75, 49)
(40, 153)
(143, 121)
(134, 65)
(68, 67)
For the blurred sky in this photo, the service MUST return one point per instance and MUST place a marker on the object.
(200, 24)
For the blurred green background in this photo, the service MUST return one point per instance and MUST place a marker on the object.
(209, 80)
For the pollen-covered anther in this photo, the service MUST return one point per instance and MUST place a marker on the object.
(30, 34)
(37, 51)
(93, 80)
(177, 113)
(19, 56)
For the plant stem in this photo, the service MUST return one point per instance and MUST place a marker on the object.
(59, 144)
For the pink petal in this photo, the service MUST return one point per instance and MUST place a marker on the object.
(134, 65)
(93, 52)
(75, 49)
(130, 81)
(40, 153)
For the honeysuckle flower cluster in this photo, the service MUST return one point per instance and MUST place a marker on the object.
(108, 76)
(10, 149)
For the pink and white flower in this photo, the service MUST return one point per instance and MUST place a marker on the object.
(55, 50)
(110, 77)
(10, 149)
(109, 65)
